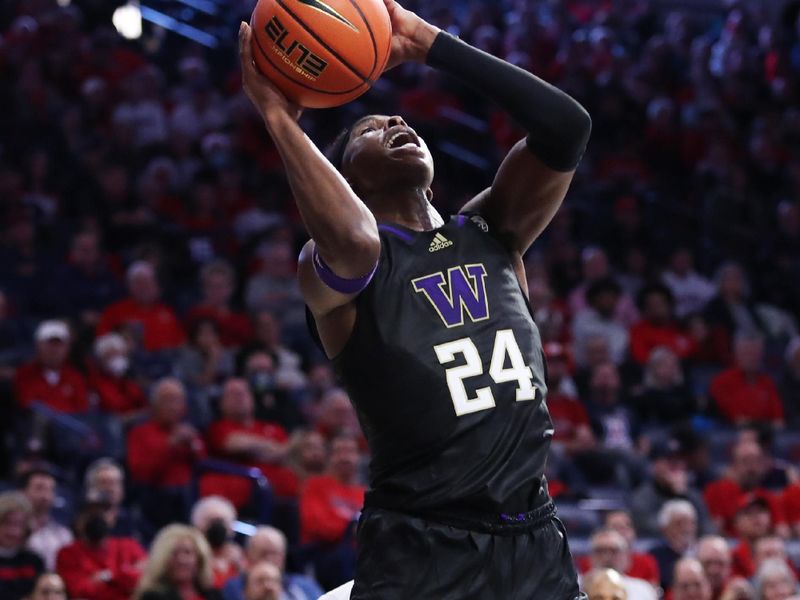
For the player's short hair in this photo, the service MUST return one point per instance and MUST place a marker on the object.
(335, 152)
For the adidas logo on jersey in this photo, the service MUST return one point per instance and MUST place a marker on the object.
(439, 243)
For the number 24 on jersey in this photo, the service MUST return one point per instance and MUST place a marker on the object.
(505, 346)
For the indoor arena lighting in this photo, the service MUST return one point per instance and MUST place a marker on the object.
(128, 20)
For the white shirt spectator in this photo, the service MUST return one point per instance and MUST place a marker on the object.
(588, 324)
(48, 540)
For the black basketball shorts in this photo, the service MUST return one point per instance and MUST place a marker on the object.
(403, 557)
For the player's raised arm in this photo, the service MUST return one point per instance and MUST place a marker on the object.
(346, 246)
(533, 179)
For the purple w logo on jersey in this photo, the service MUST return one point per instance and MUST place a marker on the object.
(463, 289)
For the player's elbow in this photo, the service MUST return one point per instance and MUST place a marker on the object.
(562, 148)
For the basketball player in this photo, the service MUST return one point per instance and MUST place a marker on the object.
(429, 327)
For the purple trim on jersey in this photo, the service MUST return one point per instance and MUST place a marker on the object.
(461, 220)
(340, 284)
(403, 235)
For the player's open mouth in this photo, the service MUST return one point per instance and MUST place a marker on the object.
(400, 139)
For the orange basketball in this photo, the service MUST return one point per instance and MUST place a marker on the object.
(321, 53)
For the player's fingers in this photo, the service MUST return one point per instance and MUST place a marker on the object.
(245, 47)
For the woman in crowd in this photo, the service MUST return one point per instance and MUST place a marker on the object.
(18, 567)
(775, 581)
(179, 567)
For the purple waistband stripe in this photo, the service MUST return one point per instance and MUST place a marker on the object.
(340, 284)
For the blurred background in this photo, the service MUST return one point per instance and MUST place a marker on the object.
(155, 367)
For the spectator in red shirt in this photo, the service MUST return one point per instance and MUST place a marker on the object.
(98, 566)
(162, 453)
(218, 280)
(570, 419)
(751, 522)
(748, 467)
(330, 503)
(791, 507)
(117, 393)
(154, 323)
(240, 437)
(642, 565)
(744, 394)
(657, 327)
(336, 415)
(48, 378)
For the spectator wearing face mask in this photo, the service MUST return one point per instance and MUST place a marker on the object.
(98, 566)
(275, 398)
(213, 516)
(117, 393)
(105, 477)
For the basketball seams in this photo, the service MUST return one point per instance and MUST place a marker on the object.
(322, 42)
(268, 58)
(371, 37)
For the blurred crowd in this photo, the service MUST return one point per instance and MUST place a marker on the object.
(170, 430)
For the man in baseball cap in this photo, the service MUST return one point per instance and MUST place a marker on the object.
(49, 379)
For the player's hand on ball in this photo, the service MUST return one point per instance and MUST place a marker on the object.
(262, 93)
(412, 36)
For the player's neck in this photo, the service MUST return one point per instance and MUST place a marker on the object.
(409, 207)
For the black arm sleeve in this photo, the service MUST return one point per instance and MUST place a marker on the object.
(558, 127)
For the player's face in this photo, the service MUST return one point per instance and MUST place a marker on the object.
(385, 153)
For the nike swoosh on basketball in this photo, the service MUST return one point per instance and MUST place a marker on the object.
(322, 7)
